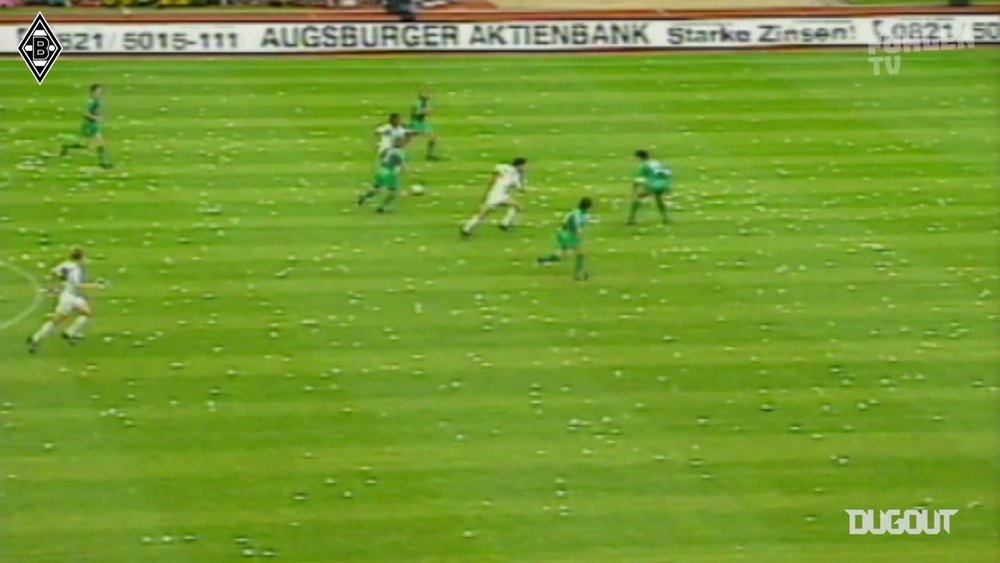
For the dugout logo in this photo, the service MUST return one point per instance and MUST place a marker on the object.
(895, 522)
(39, 48)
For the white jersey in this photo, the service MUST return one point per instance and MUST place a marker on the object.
(70, 299)
(387, 135)
(509, 180)
(71, 275)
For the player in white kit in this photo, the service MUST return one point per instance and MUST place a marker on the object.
(507, 180)
(71, 303)
(389, 132)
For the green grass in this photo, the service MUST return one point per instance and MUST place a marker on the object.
(828, 288)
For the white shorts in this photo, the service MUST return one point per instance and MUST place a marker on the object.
(69, 304)
(498, 199)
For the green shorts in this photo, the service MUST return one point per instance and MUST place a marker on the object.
(566, 240)
(387, 180)
(90, 130)
(657, 187)
(420, 127)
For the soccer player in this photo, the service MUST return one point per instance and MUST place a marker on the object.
(389, 132)
(90, 132)
(654, 180)
(69, 276)
(419, 125)
(507, 179)
(569, 238)
(392, 163)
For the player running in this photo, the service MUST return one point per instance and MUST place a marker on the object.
(654, 180)
(570, 239)
(419, 124)
(90, 132)
(392, 164)
(507, 179)
(389, 132)
(72, 302)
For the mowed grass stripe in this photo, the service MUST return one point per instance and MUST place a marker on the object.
(833, 250)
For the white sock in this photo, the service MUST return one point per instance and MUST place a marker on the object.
(76, 329)
(43, 332)
(471, 224)
(509, 218)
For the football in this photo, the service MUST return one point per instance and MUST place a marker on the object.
(418, 189)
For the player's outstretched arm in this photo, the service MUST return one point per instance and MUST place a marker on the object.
(93, 285)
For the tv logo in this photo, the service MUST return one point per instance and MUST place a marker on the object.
(39, 48)
(888, 53)
(895, 522)
(891, 60)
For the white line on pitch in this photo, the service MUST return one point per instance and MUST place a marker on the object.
(35, 288)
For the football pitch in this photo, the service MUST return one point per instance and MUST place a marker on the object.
(276, 373)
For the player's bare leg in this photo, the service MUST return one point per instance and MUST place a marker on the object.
(97, 143)
(363, 199)
(75, 331)
(662, 206)
(386, 204)
(640, 195)
(475, 220)
(552, 258)
(431, 146)
(509, 220)
(580, 272)
(103, 158)
(579, 266)
(43, 332)
(76, 143)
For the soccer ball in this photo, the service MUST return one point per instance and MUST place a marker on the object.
(418, 189)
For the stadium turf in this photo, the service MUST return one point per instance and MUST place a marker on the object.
(274, 372)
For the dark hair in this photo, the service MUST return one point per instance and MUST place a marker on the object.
(520, 161)
(586, 203)
(94, 87)
(643, 154)
(76, 253)
(394, 116)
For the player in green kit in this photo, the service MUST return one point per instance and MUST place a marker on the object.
(392, 163)
(90, 132)
(569, 238)
(419, 125)
(654, 180)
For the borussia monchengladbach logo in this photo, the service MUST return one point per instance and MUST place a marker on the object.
(39, 48)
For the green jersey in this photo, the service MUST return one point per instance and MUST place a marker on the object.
(575, 221)
(392, 160)
(571, 230)
(418, 118)
(419, 110)
(94, 107)
(655, 176)
(92, 125)
(654, 171)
